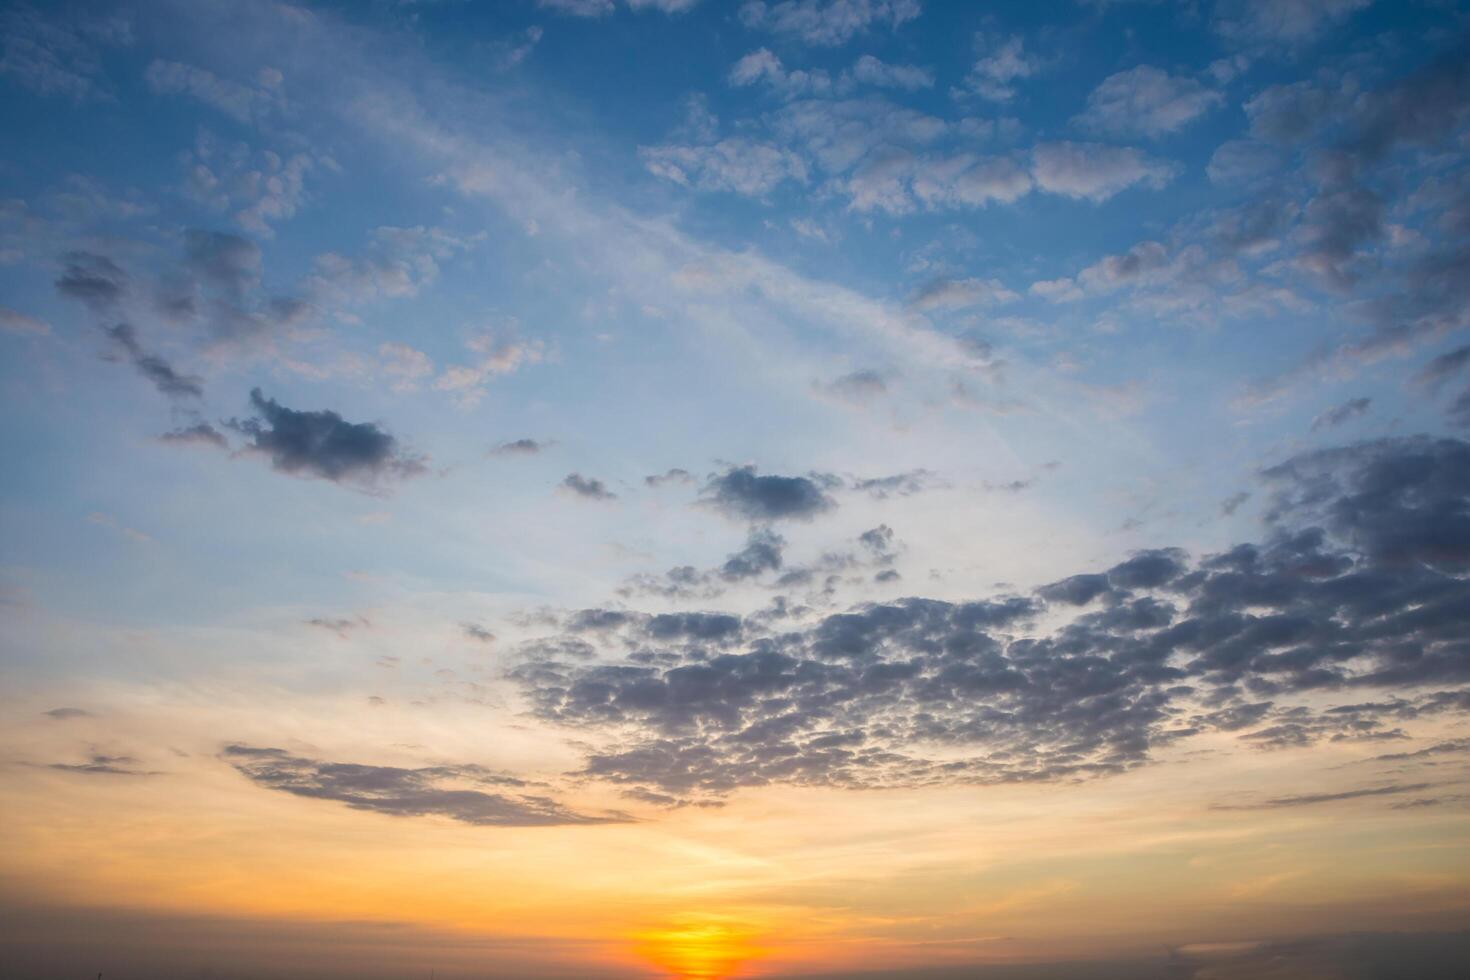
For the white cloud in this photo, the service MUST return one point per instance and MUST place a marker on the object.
(1282, 22)
(1146, 100)
(405, 365)
(1006, 62)
(494, 357)
(871, 71)
(826, 22)
(1094, 171)
(958, 294)
(243, 103)
(763, 66)
(738, 165)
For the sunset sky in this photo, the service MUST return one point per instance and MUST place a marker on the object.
(703, 489)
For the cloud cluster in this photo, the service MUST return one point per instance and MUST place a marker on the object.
(1359, 587)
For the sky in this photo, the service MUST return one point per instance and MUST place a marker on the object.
(702, 489)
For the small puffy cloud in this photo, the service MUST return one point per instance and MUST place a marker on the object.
(857, 388)
(871, 71)
(956, 294)
(1003, 62)
(323, 445)
(826, 23)
(587, 487)
(405, 366)
(495, 356)
(737, 165)
(741, 493)
(520, 447)
(1147, 101)
(1281, 22)
(1094, 171)
(1240, 161)
(762, 66)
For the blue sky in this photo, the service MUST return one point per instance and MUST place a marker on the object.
(333, 330)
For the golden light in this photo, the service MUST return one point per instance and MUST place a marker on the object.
(698, 947)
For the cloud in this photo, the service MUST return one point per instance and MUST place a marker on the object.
(103, 765)
(242, 103)
(857, 388)
(675, 475)
(1357, 587)
(13, 321)
(1146, 101)
(741, 493)
(826, 23)
(762, 553)
(1003, 63)
(958, 294)
(737, 165)
(871, 71)
(1339, 414)
(322, 444)
(1281, 22)
(588, 487)
(54, 56)
(405, 365)
(1311, 799)
(762, 66)
(495, 355)
(442, 791)
(66, 714)
(521, 447)
(93, 280)
(477, 632)
(153, 367)
(200, 433)
(1094, 171)
(1443, 367)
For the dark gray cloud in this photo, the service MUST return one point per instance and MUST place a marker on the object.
(153, 367)
(1444, 367)
(200, 434)
(896, 485)
(93, 280)
(64, 714)
(103, 765)
(428, 791)
(477, 632)
(674, 475)
(1311, 799)
(520, 447)
(762, 553)
(742, 493)
(1339, 414)
(322, 444)
(1358, 587)
(226, 262)
(1232, 503)
(586, 486)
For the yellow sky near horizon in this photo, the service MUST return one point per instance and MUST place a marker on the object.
(780, 879)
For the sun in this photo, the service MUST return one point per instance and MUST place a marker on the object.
(698, 947)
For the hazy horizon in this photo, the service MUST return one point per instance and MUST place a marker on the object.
(735, 488)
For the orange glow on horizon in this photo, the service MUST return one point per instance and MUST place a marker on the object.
(698, 947)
